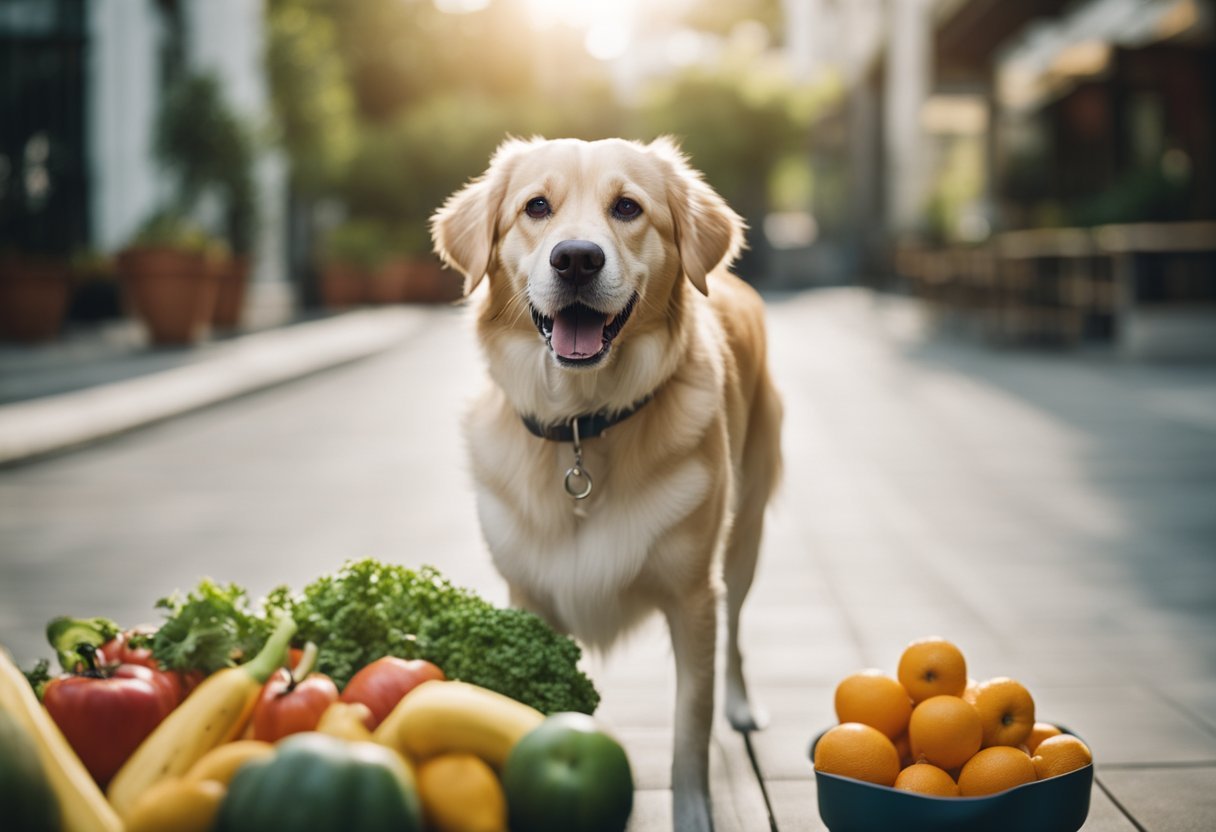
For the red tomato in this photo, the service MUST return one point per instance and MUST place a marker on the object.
(105, 716)
(118, 650)
(285, 708)
(383, 683)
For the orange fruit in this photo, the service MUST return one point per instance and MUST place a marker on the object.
(857, 751)
(994, 770)
(945, 730)
(932, 667)
(460, 791)
(926, 778)
(1060, 755)
(873, 698)
(1007, 711)
(1040, 732)
(904, 749)
(970, 689)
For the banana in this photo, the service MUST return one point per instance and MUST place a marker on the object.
(221, 764)
(215, 713)
(445, 717)
(346, 721)
(82, 805)
(177, 806)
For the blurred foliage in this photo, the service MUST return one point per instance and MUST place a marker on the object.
(722, 18)
(1145, 194)
(737, 119)
(208, 149)
(391, 105)
(312, 100)
(171, 228)
(959, 184)
(357, 243)
(792, 184)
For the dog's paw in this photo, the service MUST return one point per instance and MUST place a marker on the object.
(692, 813)
(744, 716)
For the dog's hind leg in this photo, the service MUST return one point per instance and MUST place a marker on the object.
(761, 470)
(740, 567)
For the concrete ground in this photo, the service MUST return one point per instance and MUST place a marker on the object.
(1054, 515)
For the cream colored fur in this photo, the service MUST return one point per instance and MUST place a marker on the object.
(680, 486)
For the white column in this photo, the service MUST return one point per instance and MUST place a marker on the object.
(908, 72)
(122, 97)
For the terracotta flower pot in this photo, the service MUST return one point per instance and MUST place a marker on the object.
(342, 285)
(389, 282)
(172, 291)
(429, 282)
(33, 299)
(232, 281)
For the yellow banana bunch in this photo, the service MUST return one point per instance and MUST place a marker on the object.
(82, 805)
(215, 713)
(445, 717)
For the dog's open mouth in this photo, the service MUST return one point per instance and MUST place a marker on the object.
(580, 335)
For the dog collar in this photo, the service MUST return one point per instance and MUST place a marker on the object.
(586, 426)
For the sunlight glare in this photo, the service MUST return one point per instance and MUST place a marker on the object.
(608, 24)
(461, 6)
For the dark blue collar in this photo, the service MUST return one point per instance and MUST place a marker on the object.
(590, 425)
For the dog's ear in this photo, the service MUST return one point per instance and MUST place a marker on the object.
(708, 232)
(464, 229)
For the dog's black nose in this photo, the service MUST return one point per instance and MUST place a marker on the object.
(576, 261)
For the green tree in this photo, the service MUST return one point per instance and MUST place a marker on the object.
(313, 105)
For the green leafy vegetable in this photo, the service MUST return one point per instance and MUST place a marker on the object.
(370, 609)
(212, 627)
(38, 676)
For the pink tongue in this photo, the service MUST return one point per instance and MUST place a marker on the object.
(578, 333)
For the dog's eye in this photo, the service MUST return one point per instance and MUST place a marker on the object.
(626, 209)
(538, 208)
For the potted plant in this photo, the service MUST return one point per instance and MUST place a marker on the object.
(417, 274)
(33, 296)
(96, 295)
(240, 229)
(211, 154)
(170, 272)
(352, 252)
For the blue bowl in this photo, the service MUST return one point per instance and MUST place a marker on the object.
(1059, 804)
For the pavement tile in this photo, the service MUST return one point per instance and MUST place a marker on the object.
(1127, 724)
(651, 811)
(738, 802)
(796, 715)
(795, 806)
(1166, 799)
(1196, 697)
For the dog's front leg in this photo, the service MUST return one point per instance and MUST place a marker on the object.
(692, 620)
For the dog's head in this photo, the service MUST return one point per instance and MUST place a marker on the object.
(586, 242)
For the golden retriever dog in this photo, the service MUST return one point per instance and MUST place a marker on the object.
(628, 440)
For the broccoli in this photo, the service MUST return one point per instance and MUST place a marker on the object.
(370, 609)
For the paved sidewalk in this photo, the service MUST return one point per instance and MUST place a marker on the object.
(123, 388)
(1052, 514)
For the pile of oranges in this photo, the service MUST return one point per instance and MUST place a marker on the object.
(933, 731)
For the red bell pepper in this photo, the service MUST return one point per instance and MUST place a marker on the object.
(293, 701)
(105, 713)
